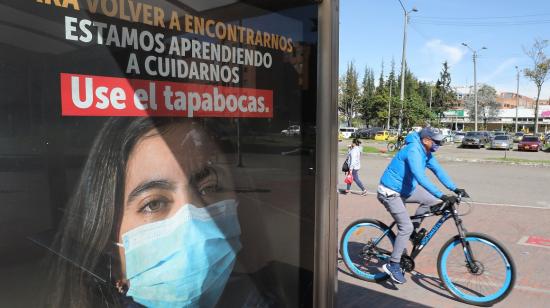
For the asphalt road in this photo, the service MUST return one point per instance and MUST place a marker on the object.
(510, 203)
(486, 182)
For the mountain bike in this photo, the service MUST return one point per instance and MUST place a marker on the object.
(473, 267)
(392, 146)
(396, 145)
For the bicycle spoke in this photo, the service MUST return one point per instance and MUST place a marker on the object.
(362, 257)
(486, 279)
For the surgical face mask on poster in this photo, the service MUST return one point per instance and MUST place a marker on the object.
(185, 260)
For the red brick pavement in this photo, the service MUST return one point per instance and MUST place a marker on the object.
(505, 223)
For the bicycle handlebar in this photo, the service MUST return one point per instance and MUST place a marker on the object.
(438, 208)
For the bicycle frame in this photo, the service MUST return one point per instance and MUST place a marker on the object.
(446, 215)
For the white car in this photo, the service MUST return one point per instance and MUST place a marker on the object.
(292, 130)
(347, 131)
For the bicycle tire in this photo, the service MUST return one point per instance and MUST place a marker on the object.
(486, 300)
(391, 147)
(379, 274)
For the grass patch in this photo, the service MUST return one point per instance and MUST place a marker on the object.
(366, 149)
(521, 160)
(369, 149)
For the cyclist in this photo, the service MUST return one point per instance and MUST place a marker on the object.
(405, 181)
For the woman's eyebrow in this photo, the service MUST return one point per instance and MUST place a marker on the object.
(156, 184)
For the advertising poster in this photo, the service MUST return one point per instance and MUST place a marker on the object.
(157, 153)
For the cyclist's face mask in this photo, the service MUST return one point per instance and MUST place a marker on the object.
(435, 146)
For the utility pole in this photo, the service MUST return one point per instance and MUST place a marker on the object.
(403, 65)
(474, 57)
(517, 96)
(389, 104)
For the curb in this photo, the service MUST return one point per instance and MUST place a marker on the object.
(471, 160)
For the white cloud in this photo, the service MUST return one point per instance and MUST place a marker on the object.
(504, 66)
(438, 49)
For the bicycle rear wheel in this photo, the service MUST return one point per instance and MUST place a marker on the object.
(364, 250)
(489, 282)
(391, 147)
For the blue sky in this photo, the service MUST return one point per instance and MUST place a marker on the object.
(372, 31)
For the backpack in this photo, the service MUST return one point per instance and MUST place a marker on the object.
(345, 166)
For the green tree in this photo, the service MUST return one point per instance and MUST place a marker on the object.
(368, 90)
(539, 73)
(380, 89)
(444, 94)
(416, 112)
(349, 93)
(487, 106)
(392, 81)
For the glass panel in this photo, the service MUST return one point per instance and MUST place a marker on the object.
(144, 158)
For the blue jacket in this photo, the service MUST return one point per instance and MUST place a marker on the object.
(408, 168)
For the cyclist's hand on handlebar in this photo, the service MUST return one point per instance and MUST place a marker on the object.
(461, 192)
(449, 199)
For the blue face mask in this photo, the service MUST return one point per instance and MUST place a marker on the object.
(434, 147)
(185, 260)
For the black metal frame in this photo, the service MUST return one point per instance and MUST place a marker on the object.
(447, 211)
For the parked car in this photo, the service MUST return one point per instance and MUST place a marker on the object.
(292, 130)
(347, 131)
(530, 143)
(518, 136)
(446, 132)
(458, 136)
(502, 142)
(475, 139)
(366, 133)
(340, 136)
(385, 135)
(495, 133)
(371, 132)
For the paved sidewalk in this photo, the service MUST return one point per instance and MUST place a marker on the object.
(507, 224)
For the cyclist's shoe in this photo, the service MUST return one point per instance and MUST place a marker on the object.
(395, 272)
(364, 193)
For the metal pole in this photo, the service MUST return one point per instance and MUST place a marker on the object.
(403, 64)
(517, 97)
(239, 154)
(475, 91)
(326, 158)
(389, 104)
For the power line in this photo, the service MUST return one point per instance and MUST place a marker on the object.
(482, 24)
(480, 17)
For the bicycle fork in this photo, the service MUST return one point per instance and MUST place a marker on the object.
(468, 253)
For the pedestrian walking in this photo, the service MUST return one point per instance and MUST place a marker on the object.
(354, 162)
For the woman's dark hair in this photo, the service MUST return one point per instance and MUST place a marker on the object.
(91, 221)
(356, 141)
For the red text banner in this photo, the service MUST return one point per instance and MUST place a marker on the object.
(87, 95)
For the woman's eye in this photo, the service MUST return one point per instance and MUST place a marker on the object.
(206, 181)
(207, 189)
(153, 206)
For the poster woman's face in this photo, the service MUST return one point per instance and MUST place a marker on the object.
(167, 171)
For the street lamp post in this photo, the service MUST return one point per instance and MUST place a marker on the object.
(517, 97)
(389, 104)
(474, 52)
(403, 64)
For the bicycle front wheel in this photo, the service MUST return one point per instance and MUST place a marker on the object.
(491, 278)
(365, 246)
